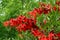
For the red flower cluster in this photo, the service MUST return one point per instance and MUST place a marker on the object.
(58, 3)
(54, 8)
(58, 34)
(36, 32)
(6, 23)
(49, 37)
(13, 22)
(59, 8)
(44, 8)
(42, 36)
(22, 23)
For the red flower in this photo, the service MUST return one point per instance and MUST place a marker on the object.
(33, 13)
(47, 8)
(13, 22)
(28, 27)
(44, 21)
(6, 23)
(58, 2)
(58, 35)
(21, 19)
(46, 11)
(59, 8)
(43, 37)
(54, 8)
(40, 10)
(36, 32)
(42, 4)
(21, 27)
(31, 22)
(51, 36)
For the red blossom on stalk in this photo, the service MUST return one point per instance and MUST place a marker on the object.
(36, 32)
(33, 13)
(47, 8)
(6, 23)
(59, 8)
(58, 3)
(36, 11)
(42, 4)
(21, 27)
(46, 11)
(21, 19)
(44, 21)
(40, 10)
(13, 22)
(44, 37)
(26, 25)
(51, 36)
(54, 8)
(58, 35)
